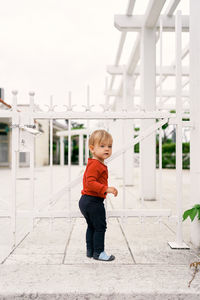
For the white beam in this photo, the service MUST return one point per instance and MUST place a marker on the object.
(117, 59)
(122, 40)
(170, 71)
(130, 7)
(101, 116)
(171, 7)
(166, 70)
(135, 54)
(153, 12)
(165, 93)
(134, 57)
(135, 23)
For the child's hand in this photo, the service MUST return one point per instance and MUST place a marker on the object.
(112, 190)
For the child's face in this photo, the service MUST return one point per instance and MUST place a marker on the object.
(101, 151)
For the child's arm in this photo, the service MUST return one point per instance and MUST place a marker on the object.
(112, 190)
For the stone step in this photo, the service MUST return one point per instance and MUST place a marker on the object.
(99, 281)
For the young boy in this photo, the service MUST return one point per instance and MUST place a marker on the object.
(95, 188)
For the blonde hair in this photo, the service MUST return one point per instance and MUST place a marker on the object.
(99, 136)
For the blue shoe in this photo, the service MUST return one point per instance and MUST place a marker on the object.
(103, 256)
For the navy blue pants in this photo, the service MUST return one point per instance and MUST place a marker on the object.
(93, 210)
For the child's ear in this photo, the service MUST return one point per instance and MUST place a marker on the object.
(91, 148)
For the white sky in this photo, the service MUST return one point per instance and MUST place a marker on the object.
(56, 46)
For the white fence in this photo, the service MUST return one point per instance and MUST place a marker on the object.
(23, 135)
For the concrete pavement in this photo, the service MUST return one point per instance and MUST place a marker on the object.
(50, 262)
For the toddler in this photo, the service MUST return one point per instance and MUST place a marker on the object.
(95, 189)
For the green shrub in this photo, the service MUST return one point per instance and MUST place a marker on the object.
(169, 148)
(137, 148)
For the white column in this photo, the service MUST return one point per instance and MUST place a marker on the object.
(148, 101)
(62, 151)
(128, 126)
(195, 113)
(80, 150)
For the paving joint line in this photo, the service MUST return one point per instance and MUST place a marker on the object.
(3, 261)
(68, 241)
(127, 243)
(123, 233)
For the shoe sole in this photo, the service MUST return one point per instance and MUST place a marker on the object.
(112, 257)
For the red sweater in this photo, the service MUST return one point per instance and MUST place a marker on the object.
(95, 179)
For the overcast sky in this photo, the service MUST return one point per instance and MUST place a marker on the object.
(56, 46)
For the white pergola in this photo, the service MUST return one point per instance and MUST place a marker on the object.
(141, 65)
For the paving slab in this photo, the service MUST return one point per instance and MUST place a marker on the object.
(46, 239)
(149, 244)
(114, 244)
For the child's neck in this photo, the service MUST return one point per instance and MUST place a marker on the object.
(101, 160)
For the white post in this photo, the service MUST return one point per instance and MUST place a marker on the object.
(160, 130)
(15, 149)
(106, 102)
(85, 144)
(134, 126)
(195, 113)
(116, 131)
(62, 151)
(179, 235)
(148, 101)
(123, 137)
(69, 157)
(51, 150)
(88, 124)
(179, 175)
(32, 159)
(80, 149)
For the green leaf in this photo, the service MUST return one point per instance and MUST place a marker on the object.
(197, 206)
(199, 214)
(193, 213)
(187, 213)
